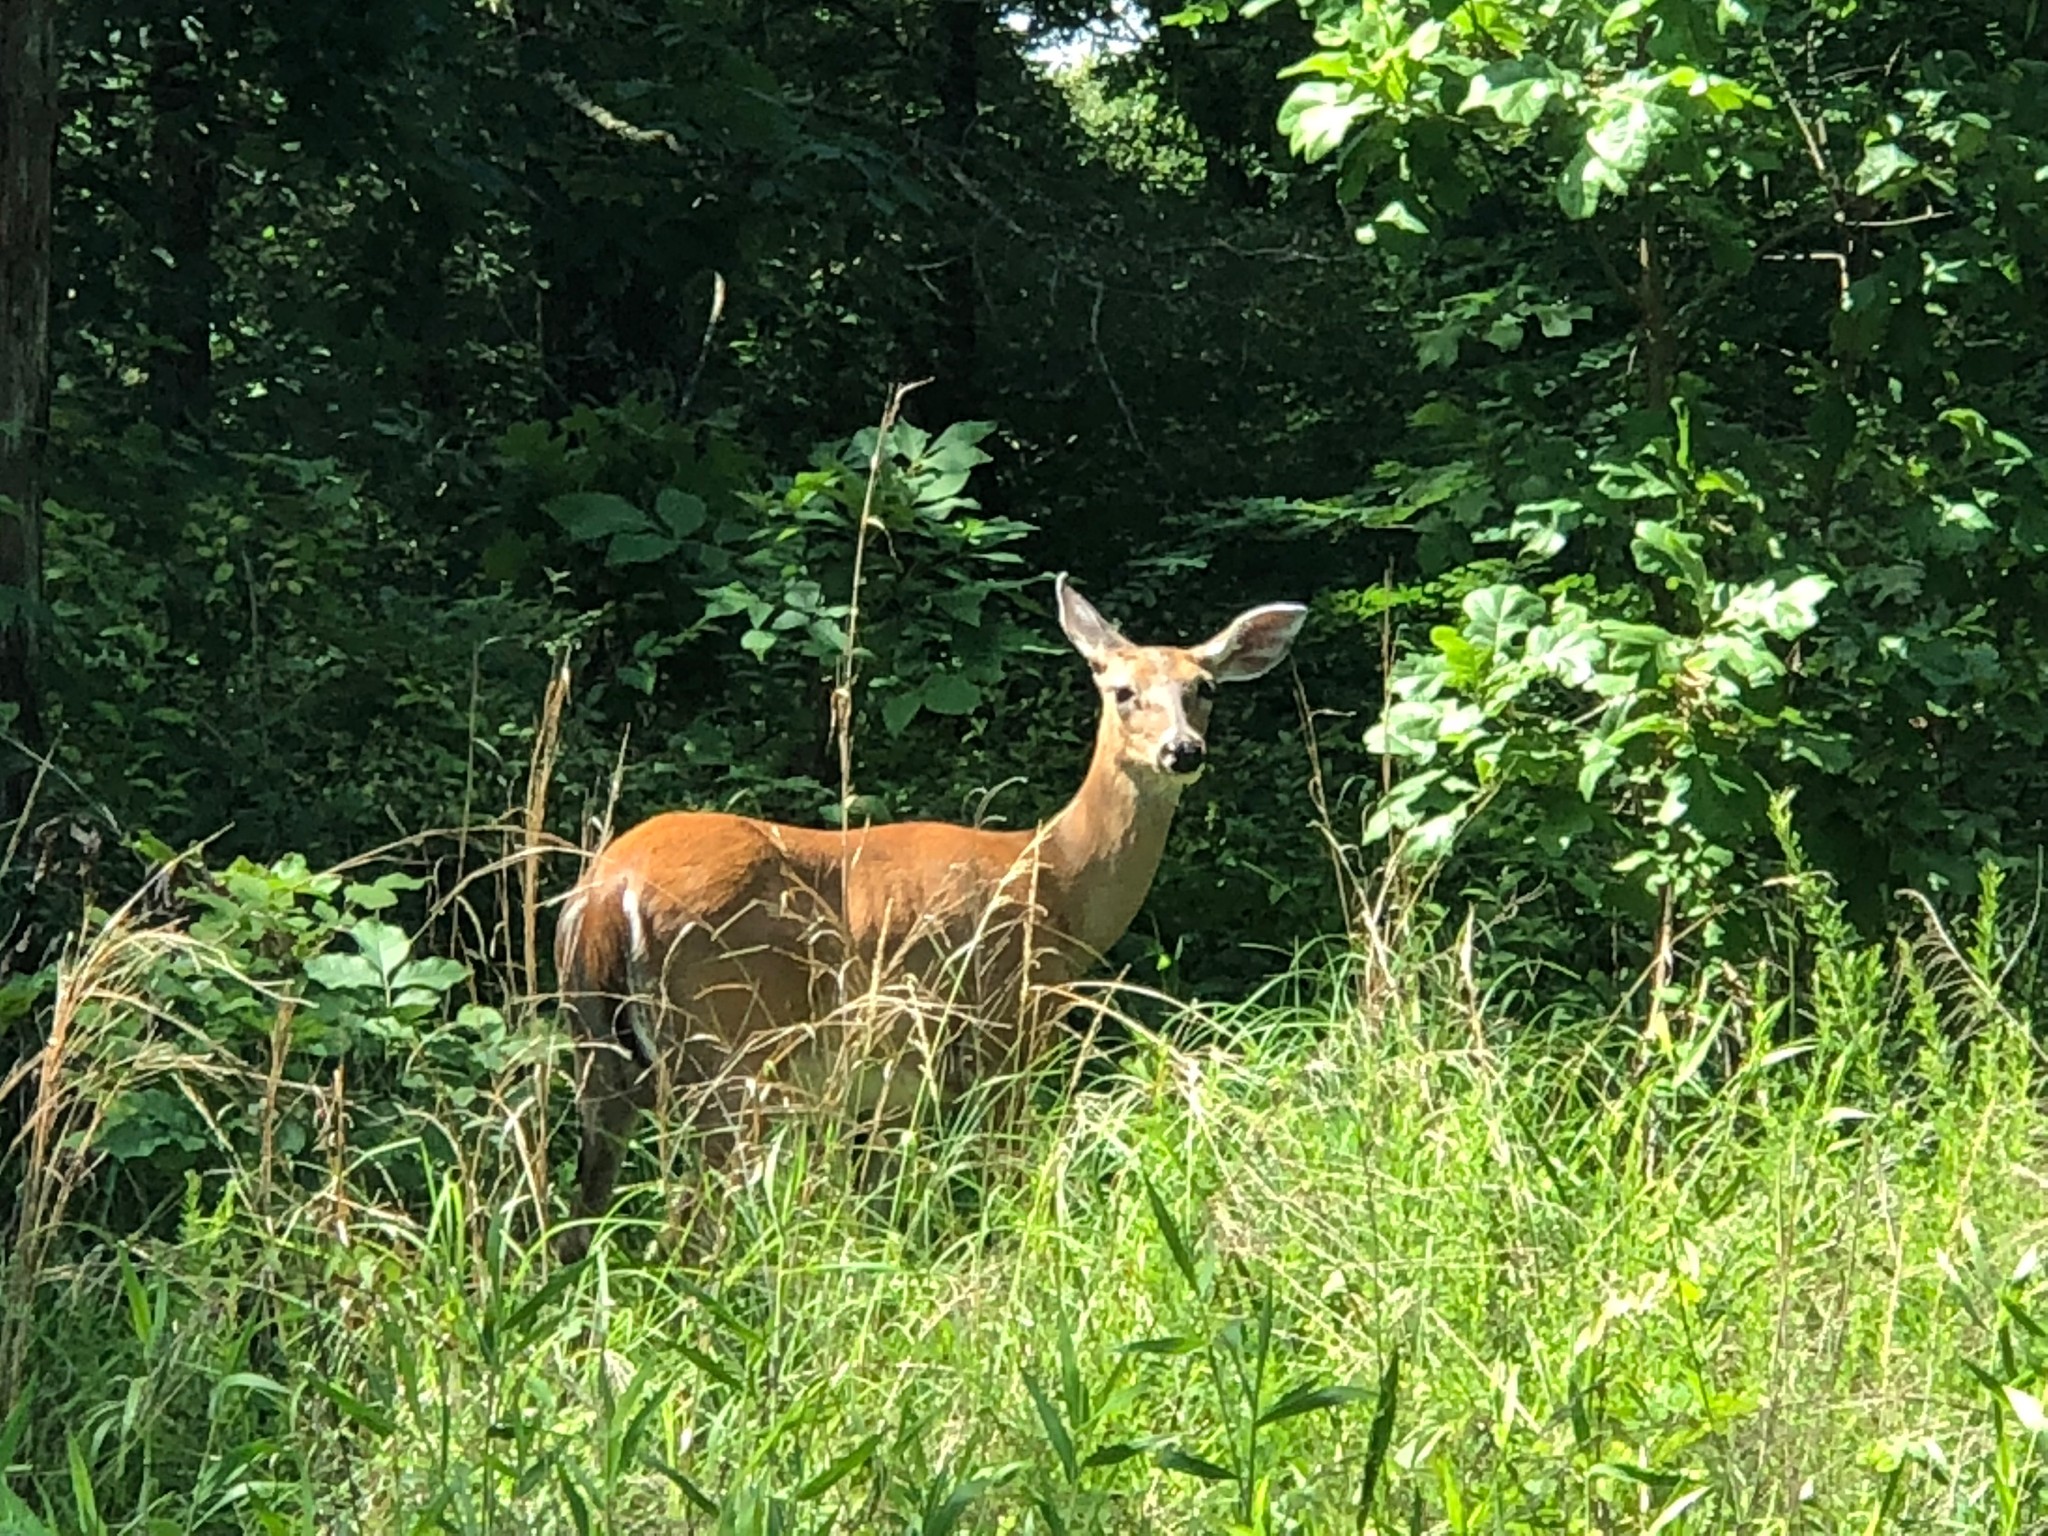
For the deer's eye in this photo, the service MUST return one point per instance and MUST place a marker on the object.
(1206, 688)
(1125, 694)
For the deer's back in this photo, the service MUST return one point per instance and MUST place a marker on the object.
(767, 893)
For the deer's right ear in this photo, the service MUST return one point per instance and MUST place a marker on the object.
(1091, 634)
(1253, 644)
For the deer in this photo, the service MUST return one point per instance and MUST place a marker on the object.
(702, 953)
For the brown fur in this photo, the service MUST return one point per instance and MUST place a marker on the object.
(709, 954)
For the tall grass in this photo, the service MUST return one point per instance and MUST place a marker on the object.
(1417, 1265)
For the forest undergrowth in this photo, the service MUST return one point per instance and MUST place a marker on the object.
(1389, 1248)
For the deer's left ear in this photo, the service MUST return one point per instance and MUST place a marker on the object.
(1253, 643)
(1087, 631)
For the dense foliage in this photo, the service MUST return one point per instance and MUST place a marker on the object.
(1663, 374)
(452, 431)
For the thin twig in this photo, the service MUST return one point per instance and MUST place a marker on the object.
(842, 685)
(604, 117)
(704, 346)
(1109, 376)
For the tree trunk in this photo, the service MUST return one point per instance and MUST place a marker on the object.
(28, 153)
(961, 24)
(185, 166)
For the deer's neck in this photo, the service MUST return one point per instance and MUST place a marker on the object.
(1097, 857)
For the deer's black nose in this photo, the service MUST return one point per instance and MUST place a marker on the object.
(1182, 755)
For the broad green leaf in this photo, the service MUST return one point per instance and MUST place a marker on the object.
(1496, 617)
(1397, 216)
(590, 516)
(948, 693)
(1796, 608)
(1439, 348)
(1568, 652)
(1624, 132)
(681, 513)
(1407, 728)
(1580, 183)
(1318, 115)
(385, 947)
(1882, 164)
(898, 710)
(343, 973)
(639, 548)
(436, 973)
(1519, 99)
(1505, 333)
(1660, 549)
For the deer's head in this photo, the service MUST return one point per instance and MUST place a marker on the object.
(1156, 698)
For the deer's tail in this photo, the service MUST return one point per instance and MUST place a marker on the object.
(598, 940)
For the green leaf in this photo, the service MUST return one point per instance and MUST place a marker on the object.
(1114, 1454)
(757, 642)
(1318, 114)
(948, 693)
(1882, 165)
(944, 1518)
(343, 973)
(17, 1519)
(1496, 617)
(956, 450)
(1381, 1435)
(1055, 1430)
(898, 710)
(1796, 608)
(1580, 183)
(1176, 1244)
(1601, 755)
(436, 973)
(1661, 549)
(1623, 134)
(384, 946)
(1510, 92)
(1173, 1459)
(1439, 348)
(1396, 216)
(639, 548)
(1308, 1399)
(680, 512)
(1169, 1344)
(839, 1469)
(591, 516)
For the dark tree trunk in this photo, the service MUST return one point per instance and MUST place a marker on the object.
(961, 26)
(563, 302)
(185, 167)
(28, 153)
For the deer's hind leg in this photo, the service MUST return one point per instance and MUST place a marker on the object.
(611, 1091)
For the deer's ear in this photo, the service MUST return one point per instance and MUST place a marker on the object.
(1253, 643)
(1091, 634)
